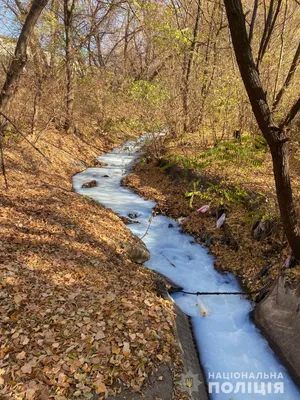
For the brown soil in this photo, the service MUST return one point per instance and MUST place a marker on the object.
(256, 263)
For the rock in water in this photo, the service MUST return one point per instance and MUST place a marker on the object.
(90, 184)
(137, 251)
(134, 215)
(128, 221)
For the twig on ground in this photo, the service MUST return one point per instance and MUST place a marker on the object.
(56, 187)
(65, 151)
(24, 136)
(79, 135)
(39, 134)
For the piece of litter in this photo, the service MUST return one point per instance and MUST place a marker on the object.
(182, 220)
(287, 262)
(203, 209)
(221, 220)
(204, 310)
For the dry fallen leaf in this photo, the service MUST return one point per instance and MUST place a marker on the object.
(25, 341)
(27, 368)
(110, 297)
(21, 355)
(99, 335)
(18, 298)
(99, 386)
(115, 350)
(126, 349)
(30, 394)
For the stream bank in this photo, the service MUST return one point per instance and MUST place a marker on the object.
(228, 342)
(70, 323)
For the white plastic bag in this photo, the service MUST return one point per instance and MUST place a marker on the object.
(220, 221)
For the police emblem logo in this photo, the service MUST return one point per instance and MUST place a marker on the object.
(190, 382)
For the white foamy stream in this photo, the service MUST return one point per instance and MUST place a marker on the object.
(227, 339)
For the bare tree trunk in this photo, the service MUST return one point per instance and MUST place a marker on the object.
(188, 62)
(53, 33)
(99, 51)
(20, 57)
(69, 54)
(281, 52)
(16, 66)
(275, 135)
(209, 78)
(126, 42)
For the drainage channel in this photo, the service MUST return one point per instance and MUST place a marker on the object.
(236, 358)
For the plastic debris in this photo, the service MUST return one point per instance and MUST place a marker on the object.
(287, 262)
(204, 310)
(203, 209)
(182, 220)
(220, 221)
(290, 262)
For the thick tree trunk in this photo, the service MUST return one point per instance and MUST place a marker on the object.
(275, 136)
(280, 159)
(20, 57)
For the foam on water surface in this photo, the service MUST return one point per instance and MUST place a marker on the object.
(227, 339)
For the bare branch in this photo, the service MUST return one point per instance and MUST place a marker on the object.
(291, 115)
(289, 78)
(254, 14)
(269, 27)
(24, 136)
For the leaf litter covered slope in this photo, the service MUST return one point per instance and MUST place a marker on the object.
(77, 317)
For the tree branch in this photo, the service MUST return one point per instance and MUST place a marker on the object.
(254, 14)
(289, 78)
(291, 115)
